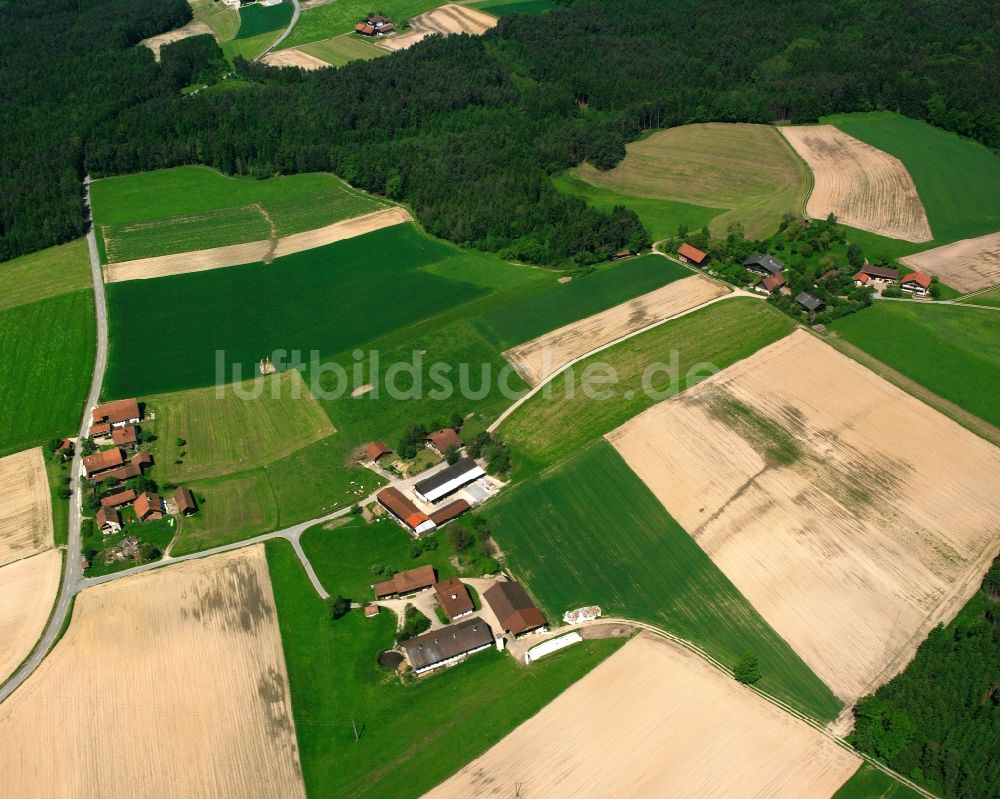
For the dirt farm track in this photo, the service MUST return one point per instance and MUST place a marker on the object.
(853, 520)
(171, 683)
(535, 360)
(445, 20)
(865, 187)
(655, 720)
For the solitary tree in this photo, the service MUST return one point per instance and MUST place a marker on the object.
(451, 455)
(747, 669)
(339, 607)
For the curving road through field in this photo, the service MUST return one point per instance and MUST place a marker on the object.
(296, 10)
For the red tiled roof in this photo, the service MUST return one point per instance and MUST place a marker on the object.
(414, 520)
(861, 277)
(444, 438)
(453, 597)
(692, 253)
(450, 511)
(100, 461)
(116, 500)
(101, 429)
(771, 282)
(920, 278)
(128, 434)
(117, 411)
(185, 500)
(376, 449)
(107, 514)
(148, 504)
(406, 581)
(393, 500)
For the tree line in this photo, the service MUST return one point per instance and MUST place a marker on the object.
(468, 130)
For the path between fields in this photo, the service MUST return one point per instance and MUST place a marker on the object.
(296, 10)
(72, 562)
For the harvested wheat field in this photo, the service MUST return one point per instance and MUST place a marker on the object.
(537, 359)
(255, 251)
(446, 19)
(27, 590)
(865, 187)
(293, 58)
(967, 265)
(655, 720)
(25, 506)
(193, 28)
(183, 692)
(851, 515)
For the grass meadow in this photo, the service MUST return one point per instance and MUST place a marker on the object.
(989, 297)
(333, 19)
(529, 317)
(193, 207)
(328, 300)
(561, 418)
(589, 532)
(956, 178)
(870, 783)
(661, 217)
(341, 49)
(222, 434)
(222, 19)
(46, 358)
(257, 19)
(951, 350)
(750, 171)
(501, 8)
(335, 680)
(47, 273)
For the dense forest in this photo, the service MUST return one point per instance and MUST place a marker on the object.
(468, 129)
(939, 721)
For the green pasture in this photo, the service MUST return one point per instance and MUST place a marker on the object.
(335, 680)
(530, 317)
(46, 358)
(310, 482)
(589, 532)
(201, 434)
(952, 350)
(332, 19)
(192, 207)
(222, 19)
(154, 537)
(562, 417)
(47, 273)
(326, 300)
(501, 8)
(256, 19)
(343, 554)
(989, 297)
(341, 49)
(57, 472)
(660, 216)
(956, 178)
(870, 783)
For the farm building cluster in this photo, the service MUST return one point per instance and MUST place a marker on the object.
(375, 25)
(445, 494)
(116, 434)
(507, 614)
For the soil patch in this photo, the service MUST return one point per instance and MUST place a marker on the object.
(293, 58)
(25, 506)
(27, 590)
(193, 28)
(967, 265)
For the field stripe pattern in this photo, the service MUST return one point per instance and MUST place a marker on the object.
(967, 265)
(27, 590)
(25, 506)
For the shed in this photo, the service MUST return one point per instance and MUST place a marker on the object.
(377, 449)
(809, 302)
(454, 598)
(444, 439)
(448, 480)
(118, 499)
(403, 509)
(109, 520)
(770, 284)
(450, 511)
(692, 255)
(406, 582)
(185, 501)
(148, 506)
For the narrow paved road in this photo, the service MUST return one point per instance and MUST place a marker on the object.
(296, 10)
(72, 566)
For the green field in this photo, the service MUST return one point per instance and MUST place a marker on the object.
(327, 300)
(344, 555)
(154, 538)
(192, 207)
(562, 418)
(46, 358)
(589, 532)
(989, 297)
(257, 19)
(306, 484)
(749, 170)
(57, 472)
(870, 783)
(47, 273)
(222, 19)
(341, 49)
(222, 435)
(661, 217)
(333, 19)
(956, 178)
(500, 8)
(530, 317)
(951, 350)
(335, 680)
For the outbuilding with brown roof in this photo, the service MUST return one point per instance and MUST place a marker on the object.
(454, 598)
(692, 254)
(406, 582)
(376, 449)
(450, 511)
(118, 499)
(118, 413)
(448, 645)
(100, 462)
(185, 501)
(513, 607)
(444, 439)
(127, 436)
(109, 520)
(148, 506)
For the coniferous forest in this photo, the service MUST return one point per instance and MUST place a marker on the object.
(939, 721)
(467, 129)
